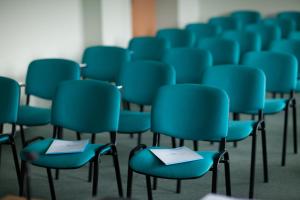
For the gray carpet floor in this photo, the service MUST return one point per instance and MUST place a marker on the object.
(284, 182)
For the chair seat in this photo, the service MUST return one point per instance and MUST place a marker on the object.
(274, 106)
(58, 161)
(239, 130)
(33, 116)
(134, 122)
(4, 138)
(298, 86)
(145, 162)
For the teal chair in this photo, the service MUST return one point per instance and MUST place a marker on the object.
(295, 35)
(286, 25)
(245, 87)
(95, 109)
(104, 62)
(148, 48)
(281, 74)
(9, 104)
(190, 112)
(203, 30)
(177, 37)
(294, 15)
(223, 51)
(42, 78)
(267, 32)
(246, 17)
(141, 81)
(226, 23)
(248, 41)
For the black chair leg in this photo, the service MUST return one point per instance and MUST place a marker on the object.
(294, 104)
(214, 179)
(264, 151)
(235, 144)
(22, 135)
(51, 185)
(139, 140)
(22, 185)
(173, 142)
(25, 180)
(252, 167)
(154, 183)
(227, 175)
(117, 171)
(195, 143)
(178, 186)
(129, 182)
(93, 140)
(284, 141)
(149, 190)
(16, 161)
(78, 136)
(95, 177)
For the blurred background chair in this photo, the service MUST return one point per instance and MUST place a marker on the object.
(294, 15)
(246, 17)
(286, 25)
(177, 37)
(226, 23)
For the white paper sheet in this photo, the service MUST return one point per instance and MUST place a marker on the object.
(65, 146)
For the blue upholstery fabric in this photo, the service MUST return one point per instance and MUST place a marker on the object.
(273, 106)
(190, 112)
(295, 35)
(202, 30)
(147, 48)
(38, 149)
(286, 25)
(294, 15)
(134, 122)
(246, 17)
(298, 86)
(44, 75)
(9, 101)
(239, 130)
(248, 41)
(104, 62)
(244, 85)
(146, 162)
(33, 116)
(281, 69)
(86, 106)
(142, 79)
(4, 138)
(268, 33)
(226, 23)
(177, 37)
(189, 63)
(223, 51)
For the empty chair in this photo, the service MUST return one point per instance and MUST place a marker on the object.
(246, 17)
(95, 110)
(203, 30)
(248, 41)
(177, 37)
(148, 48)
(295, 35)
(104, 62)
(294, 15)
(226, 23)
(286, 25)
(191, 112)
(223, 51)
(268, 33)
(245, 87)
(189, 63)
(43, 77)
(281, 75)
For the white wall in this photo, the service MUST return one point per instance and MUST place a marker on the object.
(166, 13)
(188, 12)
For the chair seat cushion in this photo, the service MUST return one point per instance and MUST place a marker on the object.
(134, 122)
(274, 106)
(58, 161)
(33, 116)
(145, 162)
(239, 130)
(4, 138)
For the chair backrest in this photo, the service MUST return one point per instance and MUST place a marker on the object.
(295, 35)
(294, 15)
(189, 63)
(177, 37)
(248, 41)
(280, 69)
(268, 33)
(226, 23)
(141, 80)
(223, 51)
(86, 106)
(286, 25)
(9, 101)
(244, 85)
(203, 30)
(191, 112)
(287, 46)
(246, 17)
(104, 62)
(148, 48)
(44, 75)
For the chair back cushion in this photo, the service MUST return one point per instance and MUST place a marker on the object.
(177, 37)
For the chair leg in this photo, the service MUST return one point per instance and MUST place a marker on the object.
(227, 175)
(93, 140)
(284, 141)
(173, 142)
(16, 161)
(195, 143)
(264, 151)
(129, 182)
(78, 136)
(295, 126)
(117, 171)
(22, 135)
(149, 190)
(235, 144)
(214, 179)
(154, 183)
(178, 186)
(139, 140)
(25, 180)
(21, 189)
(51, 185)
(95, 177)
(252, 167)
